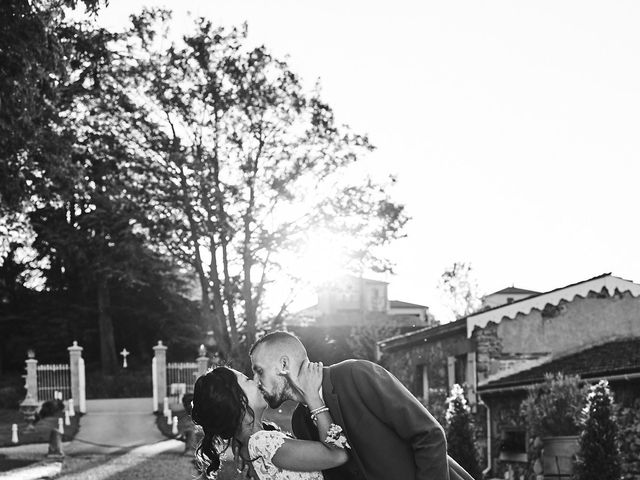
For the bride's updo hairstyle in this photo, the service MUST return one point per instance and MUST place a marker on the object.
(219, 406)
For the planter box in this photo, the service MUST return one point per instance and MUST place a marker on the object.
(558, 456)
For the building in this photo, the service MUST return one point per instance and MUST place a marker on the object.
(504, 296)
(351, 300)
(591, 328)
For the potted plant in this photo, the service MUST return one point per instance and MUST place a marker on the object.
(552, 415)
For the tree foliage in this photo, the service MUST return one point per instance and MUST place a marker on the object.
(131, 159)
(461, 289)
(553, 408)
(599, 452)
(247, 163)
(72, 173)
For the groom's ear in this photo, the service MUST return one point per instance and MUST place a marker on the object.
(285, 363)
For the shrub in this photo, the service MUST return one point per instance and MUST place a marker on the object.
(554, 408)
(598, 455)
(10, 397)
(460, 434)
(628, 421)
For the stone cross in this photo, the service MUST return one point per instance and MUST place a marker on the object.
(124, 354)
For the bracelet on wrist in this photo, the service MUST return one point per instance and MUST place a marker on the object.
(316, 412)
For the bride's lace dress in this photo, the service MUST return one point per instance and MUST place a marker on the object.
(262, 447)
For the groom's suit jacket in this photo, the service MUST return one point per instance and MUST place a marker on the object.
(392, 435)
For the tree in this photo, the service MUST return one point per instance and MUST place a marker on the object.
(73, 166)
(363, 338)
(460, 434)
(32, 70)
(461, 289)
(599, 453)
(247, 164)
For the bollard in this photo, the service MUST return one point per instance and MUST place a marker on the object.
(14, 433)
(168, 415)
(61, 425)
(166, 404)
(174, 428)
(55, 444)
(72, 411)
(67, 420)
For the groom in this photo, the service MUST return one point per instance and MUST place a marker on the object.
(392, 435)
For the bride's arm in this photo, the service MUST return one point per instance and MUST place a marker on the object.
(306, 455)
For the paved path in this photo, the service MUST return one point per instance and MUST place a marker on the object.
(115, 425)
(117, 440)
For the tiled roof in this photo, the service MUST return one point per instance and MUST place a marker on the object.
(423, 335)
(401, 304)
(613, 358)
(513, 290)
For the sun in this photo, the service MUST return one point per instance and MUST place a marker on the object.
(322, 258)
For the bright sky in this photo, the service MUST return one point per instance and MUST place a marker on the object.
(513, 127)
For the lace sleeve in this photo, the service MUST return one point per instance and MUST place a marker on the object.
(265, 444)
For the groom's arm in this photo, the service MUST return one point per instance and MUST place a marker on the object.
(394, 405)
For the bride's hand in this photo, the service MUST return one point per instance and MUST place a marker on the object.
(307, 381)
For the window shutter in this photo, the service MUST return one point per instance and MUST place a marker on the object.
(471, 378)
(451, 371)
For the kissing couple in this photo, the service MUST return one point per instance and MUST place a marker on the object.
(354, 420)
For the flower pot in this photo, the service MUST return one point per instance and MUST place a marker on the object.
(558, 455)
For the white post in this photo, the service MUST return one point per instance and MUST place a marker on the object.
(75, 355)
(70, 408)
(82, 406)
(14, 433)
(31, 382)
(160, 354)
(154, 380)
(61, 425)
(67, 420)
(202, 361)
(174, 428)
(167, 414)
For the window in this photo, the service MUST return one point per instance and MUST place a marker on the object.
(513, 445)
(460, 369)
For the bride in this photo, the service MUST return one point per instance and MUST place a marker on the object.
(229, 406)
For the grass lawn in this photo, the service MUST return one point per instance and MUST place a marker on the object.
(38, 435)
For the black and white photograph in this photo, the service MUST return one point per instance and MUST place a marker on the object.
(339, 240)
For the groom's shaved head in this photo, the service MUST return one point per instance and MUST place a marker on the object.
(280, 343)
(270, 356)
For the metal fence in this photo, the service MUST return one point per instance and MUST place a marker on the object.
(180, 379)
(53, 378)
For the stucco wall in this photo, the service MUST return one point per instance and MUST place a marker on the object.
(571, 325)
(563, 329)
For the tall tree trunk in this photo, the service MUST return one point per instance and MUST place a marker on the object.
(218, 308)
(107, 340)
(247, 264)
(224, 238)
(208, 311)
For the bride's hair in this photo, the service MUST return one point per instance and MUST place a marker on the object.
(219, 406)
